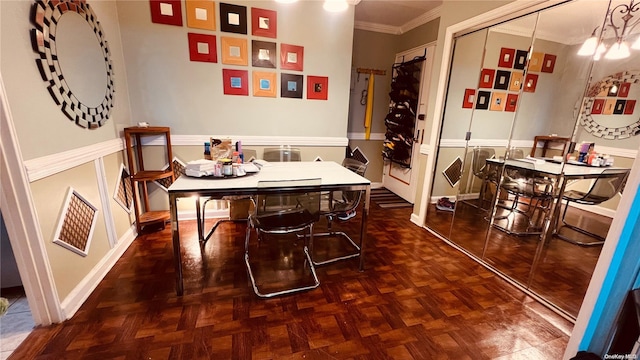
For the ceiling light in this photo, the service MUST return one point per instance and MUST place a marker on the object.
(589, 46)
(636, 44)
(621, 20)
(619, 50)
(335, 5)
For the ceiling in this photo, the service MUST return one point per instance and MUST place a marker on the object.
(395, 16)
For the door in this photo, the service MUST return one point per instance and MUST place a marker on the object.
(399, 178)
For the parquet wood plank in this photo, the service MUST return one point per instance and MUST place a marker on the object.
(418, 298)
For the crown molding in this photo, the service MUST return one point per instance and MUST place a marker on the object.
(369, 26)
(399, 30)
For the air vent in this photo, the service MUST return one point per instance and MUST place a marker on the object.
(453, 172)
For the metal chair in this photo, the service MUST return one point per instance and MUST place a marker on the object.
(283, 153)
(609, 183)
(341, 202)
(532, 197)
(294, 207)
(478, 168)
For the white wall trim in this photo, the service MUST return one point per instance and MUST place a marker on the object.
(81, 292)
(105, 199)
(22, 224)
(626, 153)
(198, 140)
(44, 166)
(361, 136)
(399, 30)
(369, 26)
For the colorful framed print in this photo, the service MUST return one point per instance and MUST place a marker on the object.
(469, 98)
(598, 107)
(486, 78)
(235, 82)
(263, 54)
(549, 63)
(233, 18)
(511, 102)
(521, 59)
(291, 86)
(624, 89)
(507, 57)
(530, 83)
(483, 100)
(535, 63)
(291, 57)
(502, 80)
(515, 84)
(497, 101)
(168, 12)
(264, 84)
(202, 48)
(264, 23)
(619, 108)
(317, 87)
(609, 106)
(629, 107)
(234, 51)
(201, 14)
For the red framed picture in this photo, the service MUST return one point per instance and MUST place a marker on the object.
(624, 89)
(598, 106)
(469, 98)
(291, 57)
(548, 63)
(530, 83)
(511, 103)
(486, 78)
(264, 23)
(506, 57)
(629, 107)
(168, 12)
(202, 48)
(236, 82)
(317, 87)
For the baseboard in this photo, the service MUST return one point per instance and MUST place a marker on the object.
(415, 219)
(208, 214)
(81, 292)
(376, 185)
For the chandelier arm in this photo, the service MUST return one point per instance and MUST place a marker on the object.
(625, 9)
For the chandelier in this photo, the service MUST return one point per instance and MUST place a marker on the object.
(622, 20)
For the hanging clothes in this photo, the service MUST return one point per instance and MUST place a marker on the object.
(368, 113)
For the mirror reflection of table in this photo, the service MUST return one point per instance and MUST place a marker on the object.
(334, 177)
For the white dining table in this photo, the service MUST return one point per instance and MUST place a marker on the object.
(334, 177)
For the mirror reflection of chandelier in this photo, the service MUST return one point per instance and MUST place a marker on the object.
(622, 20)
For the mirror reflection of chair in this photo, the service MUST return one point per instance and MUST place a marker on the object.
(283, 153)
(532, 199)
(478, 168)
(293, 208)
(609, 183)
(341, 204)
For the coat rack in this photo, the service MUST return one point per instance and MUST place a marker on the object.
(371, 71)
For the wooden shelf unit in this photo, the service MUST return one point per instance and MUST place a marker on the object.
(140, 176)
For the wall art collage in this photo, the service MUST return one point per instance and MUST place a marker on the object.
(259, 52)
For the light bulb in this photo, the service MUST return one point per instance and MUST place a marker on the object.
(335, 5)
(619, 50)
(636, 44)
(589, 47)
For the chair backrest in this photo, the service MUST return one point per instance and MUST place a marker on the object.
(479, 159)
(351, 199)
(354, 165)
(291, 196)
(283, 154)
(516, 154)
(525, 180)
(608, 184)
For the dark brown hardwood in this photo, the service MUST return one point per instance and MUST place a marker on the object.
(418, 298)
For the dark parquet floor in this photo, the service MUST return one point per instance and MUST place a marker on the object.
(418, 298)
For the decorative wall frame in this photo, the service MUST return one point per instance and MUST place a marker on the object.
(502, 80)
(603, 114)
(483, 100)
(201, 14)
(507, 56)
(233, 18)
(291, 86)
(264, 83)
(469, 98)
(264, 23)
(498, 100)
(548, 63)
(46, 15)
(530, 83)
(515, 84)
(535, 62)
(168, 12)
(486, 78)
(511, 102)
(235, 82)
(317, 87)
(178, 170)
(202, 47)
(76, 224)
(291, 57)
(123, 192)
(234, 51)
(263, 54)
(521, 59)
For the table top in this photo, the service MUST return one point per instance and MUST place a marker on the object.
(330, 173)
(554, 168)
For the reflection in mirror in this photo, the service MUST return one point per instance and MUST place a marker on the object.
(81, 60)
(460, 102)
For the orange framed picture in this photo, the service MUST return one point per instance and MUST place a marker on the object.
(234, 51)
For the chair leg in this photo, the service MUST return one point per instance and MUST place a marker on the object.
(599, 241)
(337, 234)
